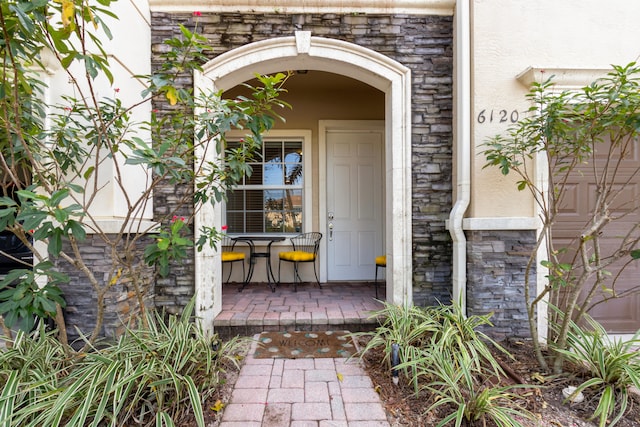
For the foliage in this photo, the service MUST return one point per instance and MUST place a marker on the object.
(55, 158)
(442, 352)
(409, 326)
(456, 380)
(563, 132)
(613, 366)
(153, 374)
(23, 300)
(171, 244)
(459, 333)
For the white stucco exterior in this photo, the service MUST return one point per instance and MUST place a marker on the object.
(573, 39)
(129, 55)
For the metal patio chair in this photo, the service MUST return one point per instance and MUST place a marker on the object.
(230, 255)
(381, 262)
(305, 249)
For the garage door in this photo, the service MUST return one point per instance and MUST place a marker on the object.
(619, 315)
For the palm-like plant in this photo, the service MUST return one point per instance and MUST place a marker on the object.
(410, 327)
(459, 333)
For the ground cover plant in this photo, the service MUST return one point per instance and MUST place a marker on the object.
(611, 365)
(157, 373)
(495, 384)
(448, 362)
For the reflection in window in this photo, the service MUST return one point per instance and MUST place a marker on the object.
(270, 200)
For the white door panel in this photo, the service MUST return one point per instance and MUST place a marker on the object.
(355, 200)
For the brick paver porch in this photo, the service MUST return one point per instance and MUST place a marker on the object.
(337, 306)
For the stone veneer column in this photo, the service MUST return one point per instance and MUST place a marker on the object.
(121, 304)
(496, 262)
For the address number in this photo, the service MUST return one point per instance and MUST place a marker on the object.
(499, 116)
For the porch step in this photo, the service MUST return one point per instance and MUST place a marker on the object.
(337, 306)
(227, 332)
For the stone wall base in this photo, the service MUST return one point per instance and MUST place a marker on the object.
(496, 263)
(120, 303)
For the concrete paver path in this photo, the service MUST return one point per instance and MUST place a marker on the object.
(303, 393)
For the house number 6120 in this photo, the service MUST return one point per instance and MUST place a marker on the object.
(500, 116)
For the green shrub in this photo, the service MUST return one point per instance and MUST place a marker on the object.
(459, 333)
(612, 364)
(152, 375)
(443, 353)
(459, 383)
(410, 327)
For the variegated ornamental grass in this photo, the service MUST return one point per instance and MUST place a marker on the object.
(153, 375)
(612, 364)
(447, 360)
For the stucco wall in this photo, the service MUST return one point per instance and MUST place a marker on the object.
(423, 43)
(509, 36)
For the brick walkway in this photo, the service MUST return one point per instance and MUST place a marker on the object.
(303, 393)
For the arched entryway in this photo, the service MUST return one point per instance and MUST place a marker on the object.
(303, 51)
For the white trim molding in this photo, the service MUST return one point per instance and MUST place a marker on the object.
(563, 78)
(414, 7)
(501, 223)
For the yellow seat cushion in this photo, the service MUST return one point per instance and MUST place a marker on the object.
(297, 256)
(232, 256)
(381, 260)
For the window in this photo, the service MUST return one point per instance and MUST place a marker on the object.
(272, 199)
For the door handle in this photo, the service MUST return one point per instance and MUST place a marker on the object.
(330, 231)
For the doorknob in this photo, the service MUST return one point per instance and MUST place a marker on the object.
(330, 231)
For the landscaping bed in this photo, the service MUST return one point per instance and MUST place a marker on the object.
(546, 401)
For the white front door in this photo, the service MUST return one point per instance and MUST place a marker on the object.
(355, 201)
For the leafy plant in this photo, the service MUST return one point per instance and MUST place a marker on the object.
(29, 369)
(23, 300)
(419, 330)
(455, 380)
(442, 352)
(172, 244)
(54, 158)
(411, 327)
(153, 374)
(613, 366)
(459, 334)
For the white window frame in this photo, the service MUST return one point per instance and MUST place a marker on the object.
(303, 135)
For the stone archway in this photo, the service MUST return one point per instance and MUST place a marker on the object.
(303, 51)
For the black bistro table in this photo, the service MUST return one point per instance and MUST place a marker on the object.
(254, 255)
